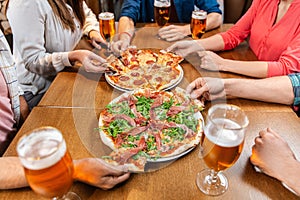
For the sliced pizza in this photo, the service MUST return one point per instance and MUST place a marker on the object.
(150, 124)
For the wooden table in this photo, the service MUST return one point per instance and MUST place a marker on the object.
(176, 181)
(73, 103)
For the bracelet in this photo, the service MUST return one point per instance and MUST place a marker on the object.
(125, 32)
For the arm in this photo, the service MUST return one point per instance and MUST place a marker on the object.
(12, 173)
(126, 32)
(88, 170)
(282, 164)
(91, 27)
(98, 173)
(213, 21)
(212, 61)
(269, 89)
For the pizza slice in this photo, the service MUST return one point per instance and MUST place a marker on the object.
(129, 57)
(116, 65)
(134, 159)
(146, 58)
(168, 58)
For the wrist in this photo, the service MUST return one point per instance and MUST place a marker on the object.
(125, 36)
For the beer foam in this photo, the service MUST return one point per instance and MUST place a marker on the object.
(196, 15)
(41, 149)
(162, 4)
(106, 16)
(221, 132)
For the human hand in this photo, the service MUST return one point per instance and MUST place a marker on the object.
(206, 88)
(89, 60)
(173, 33)
(123, 43)
(96, 38)
(211, 61)
(119, 46)
(272, 154)
(186, 47)
(97, 172)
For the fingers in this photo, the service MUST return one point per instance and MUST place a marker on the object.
(96, 45)
(114, 170)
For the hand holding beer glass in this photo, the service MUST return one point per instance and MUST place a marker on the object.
(162, 11)
(220, 146)
(198, 23)
(47, 163)
(107, 26)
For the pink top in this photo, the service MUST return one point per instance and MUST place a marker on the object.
(277, 43)
(7, 117)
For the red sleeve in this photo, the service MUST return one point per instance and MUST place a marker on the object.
(289, 61)
(237, 34)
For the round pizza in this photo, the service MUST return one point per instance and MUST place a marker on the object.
(146, 125)
(144, 68)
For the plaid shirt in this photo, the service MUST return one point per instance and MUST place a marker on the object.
(8, 69)
(295, 79)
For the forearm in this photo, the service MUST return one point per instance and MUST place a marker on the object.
(213, 43)
(126, 25)
(290, 176)
(12, 173)
(213, 20)
(269, 89)
(258, 69)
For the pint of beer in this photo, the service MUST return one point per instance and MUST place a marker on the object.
(107, 25)
(162, 11)
(47, 163)
(198, 23)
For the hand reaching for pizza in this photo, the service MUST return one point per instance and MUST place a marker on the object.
(96, 172)
(89, 60)
(206, 89)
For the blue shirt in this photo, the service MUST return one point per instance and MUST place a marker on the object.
(295, 79)
(143, 10)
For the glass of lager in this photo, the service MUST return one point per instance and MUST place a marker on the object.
(162, 11)
(107, 26)
(198, 23)
(47, 163)
(220, 146)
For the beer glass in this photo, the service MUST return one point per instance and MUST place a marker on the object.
(162, 11)
(198, 23)
(47, 163)
(107, 26)
(220, 146)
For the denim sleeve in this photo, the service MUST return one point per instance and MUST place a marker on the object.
(295, 79)
(208, 5)
(131, 9)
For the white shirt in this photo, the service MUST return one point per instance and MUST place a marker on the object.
(41, 44)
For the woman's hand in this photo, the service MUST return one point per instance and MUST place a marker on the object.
(96, 38)
(97, 172)
(211, 61)
(89, 60)
(173, 32)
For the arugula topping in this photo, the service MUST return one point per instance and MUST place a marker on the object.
(120, 108)
(143, 106)
(118, 126)
(174, 133)
(185, 117)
